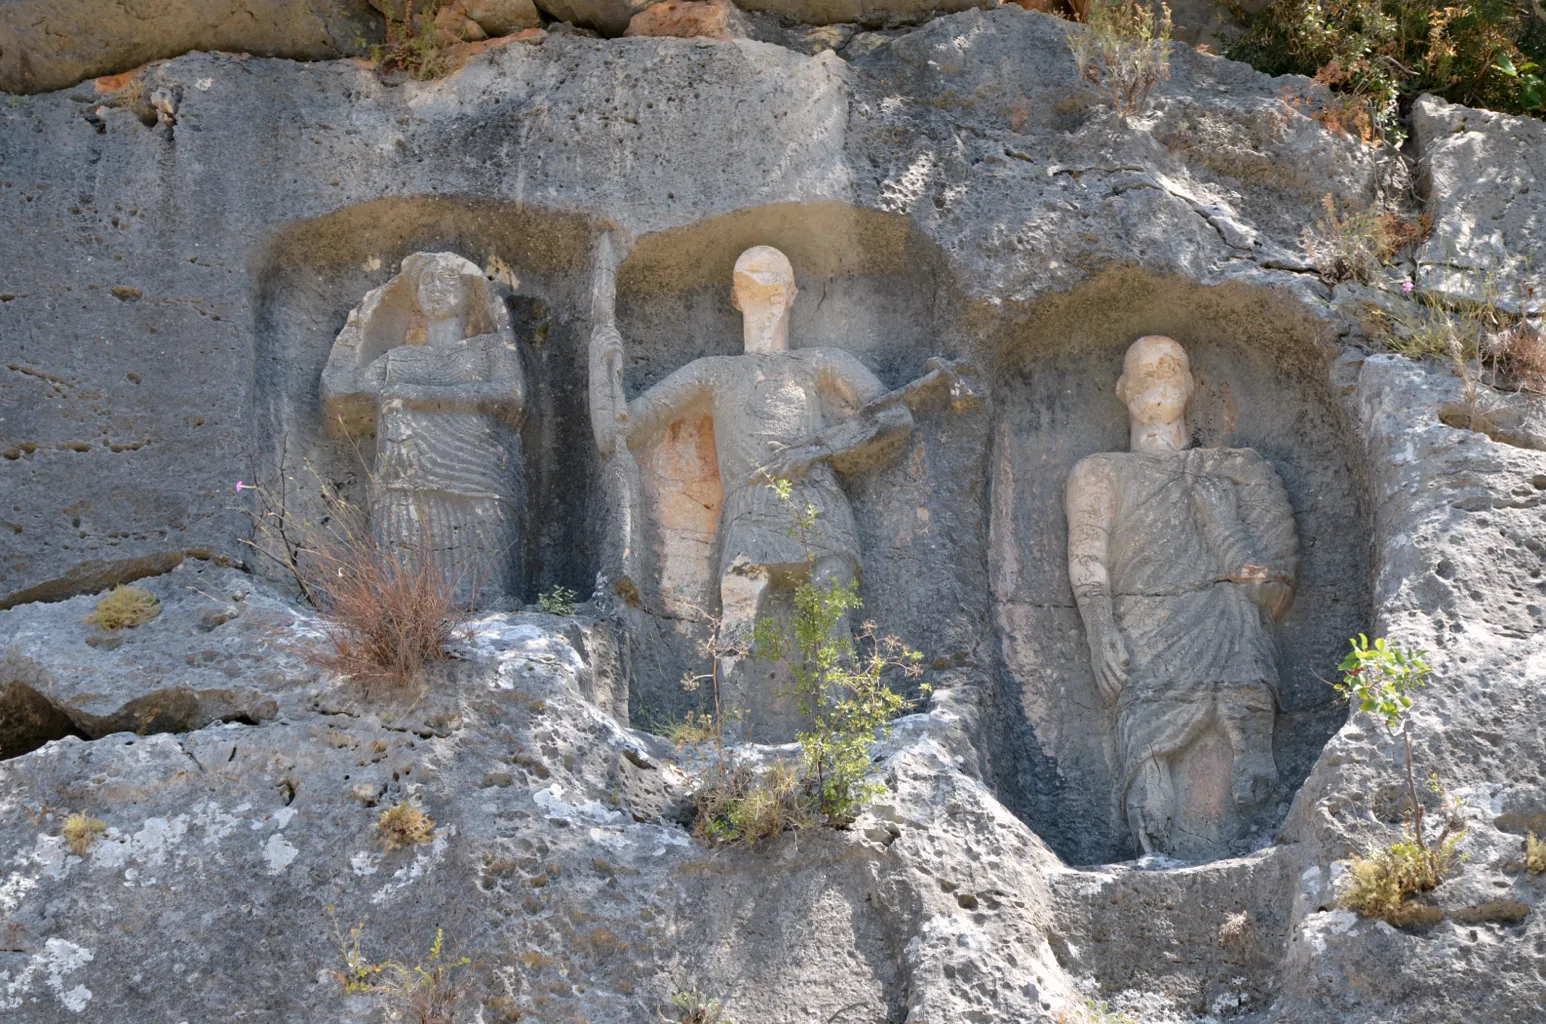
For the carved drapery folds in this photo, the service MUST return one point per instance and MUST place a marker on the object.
(427, 367)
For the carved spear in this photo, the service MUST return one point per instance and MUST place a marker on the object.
(609, 422)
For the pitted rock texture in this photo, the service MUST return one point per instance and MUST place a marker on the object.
(172, 283)
(1482, 173)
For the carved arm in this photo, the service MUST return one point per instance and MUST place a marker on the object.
(1090, 502)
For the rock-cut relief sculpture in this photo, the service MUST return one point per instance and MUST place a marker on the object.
(428, 367)
(803, 415)
(1181, 562)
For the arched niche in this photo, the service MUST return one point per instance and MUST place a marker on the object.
(868, 283)
(1262, 366)
(313, 272)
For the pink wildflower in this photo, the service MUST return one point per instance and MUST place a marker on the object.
(1406, 287)
(240, 487)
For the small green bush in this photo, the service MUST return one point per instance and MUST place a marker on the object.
(1380, 677)
(839, 682)
(690, 1007)
(1484, 53)
(1380, 883)
(558, 601)
(124, 608)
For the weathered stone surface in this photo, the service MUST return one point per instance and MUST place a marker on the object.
(1482, 174)
(173, 283)
(47, 44)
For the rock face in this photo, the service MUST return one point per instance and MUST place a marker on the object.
(49, 45)
(1488, 208)
(177, 272)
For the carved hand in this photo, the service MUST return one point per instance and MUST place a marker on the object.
(791, 463)
(1108, 655)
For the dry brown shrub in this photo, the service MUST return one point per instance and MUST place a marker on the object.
(1521, 349)
(404, 825)
(388, 612)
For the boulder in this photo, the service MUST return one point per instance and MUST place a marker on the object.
(1482, 175)
(686, 19)
(50, 44)
(608, 17)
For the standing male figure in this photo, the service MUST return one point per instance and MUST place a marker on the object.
(1181, 561)
(778, 415)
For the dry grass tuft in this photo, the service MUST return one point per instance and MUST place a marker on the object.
(1348, 245)
(1123, 50)
(124, 608)
(739, 806)
(82, 831)
(388, 610)
(404, 825)
(1535, 854)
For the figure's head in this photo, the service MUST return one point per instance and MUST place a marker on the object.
(763, 290)
(1156, 381)
(442, 293)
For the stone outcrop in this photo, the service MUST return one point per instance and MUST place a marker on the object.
(47, 44)
(176, 274)
(1482, 178)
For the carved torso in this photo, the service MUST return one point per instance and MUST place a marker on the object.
(467, 448)
(1181, 524)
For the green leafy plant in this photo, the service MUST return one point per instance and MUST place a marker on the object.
(691, 1007)
(1380, 677)
(426, 992)
(838, 685)
(558, 601)
(839, 680)
(1092, 1012)
(124, 608)
(1532, 87)
(81, 831)
(1123, 50)
(1383, 52)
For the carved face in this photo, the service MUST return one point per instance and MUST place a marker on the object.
(1156, 381)
(442, 295)
(763, 291)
